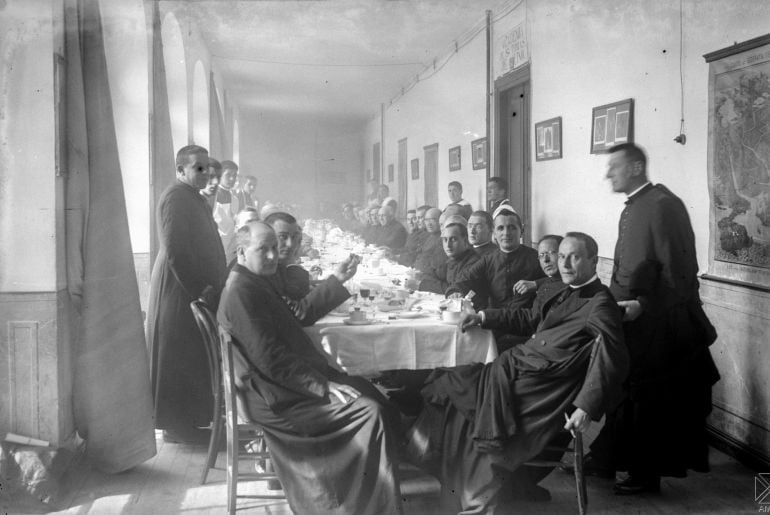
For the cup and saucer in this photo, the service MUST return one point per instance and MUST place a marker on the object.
(358, 317)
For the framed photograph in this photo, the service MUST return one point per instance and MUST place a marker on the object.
(415, 169)
(611, 124)
(390, 173)
(738, 153)
(479, 153)
(548, 139)
(454, 159)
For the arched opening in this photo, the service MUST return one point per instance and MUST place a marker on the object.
(176, 79)
(200, 107)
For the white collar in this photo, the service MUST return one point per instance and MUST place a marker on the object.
(592, 279)
(637, 190)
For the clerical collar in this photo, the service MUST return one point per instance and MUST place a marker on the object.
(637, 190)
(592, 279)
(477, 246)
(509, 251)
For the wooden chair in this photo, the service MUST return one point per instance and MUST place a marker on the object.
(251, 433)
(234, 431)
(576, 449)
(207, 325)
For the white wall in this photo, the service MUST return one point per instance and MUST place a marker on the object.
(292, 155)
(601, 51)
(27, 171)
(447, 108)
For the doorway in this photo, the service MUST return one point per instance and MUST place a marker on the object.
(512, 160)
(430, 171)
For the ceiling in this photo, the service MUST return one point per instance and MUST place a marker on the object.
(330, 58)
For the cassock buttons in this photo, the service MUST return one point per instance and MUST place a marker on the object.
(542, 342)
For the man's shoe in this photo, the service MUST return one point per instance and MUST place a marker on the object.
(634, 485)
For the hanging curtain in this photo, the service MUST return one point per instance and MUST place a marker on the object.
(162, 149)
(111, 378)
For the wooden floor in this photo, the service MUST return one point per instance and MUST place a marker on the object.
(168, 484)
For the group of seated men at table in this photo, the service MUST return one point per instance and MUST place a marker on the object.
(335, 439)
(324, 427)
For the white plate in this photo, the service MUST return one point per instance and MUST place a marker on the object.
(358, 322)
(339, 313)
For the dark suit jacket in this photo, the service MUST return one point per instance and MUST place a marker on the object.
(589, 314)
(392, 235)
(293, 282)
(493, 276)
(439, 279)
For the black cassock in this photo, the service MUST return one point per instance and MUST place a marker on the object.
(481, 422)
(190, 258)
(660, 429)
(331, 457)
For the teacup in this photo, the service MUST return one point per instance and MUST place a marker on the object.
(357, 315)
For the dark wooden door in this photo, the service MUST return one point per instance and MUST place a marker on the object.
(512, 158)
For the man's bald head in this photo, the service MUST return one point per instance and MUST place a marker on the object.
(257, 248)
(386, 214)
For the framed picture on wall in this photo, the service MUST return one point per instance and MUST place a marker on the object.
(390, 173)
(479, 153)
(612, 124)
(454, 159)
(548, 139)
(415, 168)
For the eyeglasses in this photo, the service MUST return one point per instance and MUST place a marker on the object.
(552, 253)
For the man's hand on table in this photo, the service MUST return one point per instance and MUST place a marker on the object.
(347, 268)
(469, 321)
(343, 392)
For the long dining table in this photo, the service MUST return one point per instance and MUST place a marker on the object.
(409, 334)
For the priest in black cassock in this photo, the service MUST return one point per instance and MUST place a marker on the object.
(190, 261)
(392, 234)
(480, 423)
(480, 233)
(459, 255)
(331, 435)
(493, 276)
(660, 428)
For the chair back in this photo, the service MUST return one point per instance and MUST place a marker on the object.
(207, 325)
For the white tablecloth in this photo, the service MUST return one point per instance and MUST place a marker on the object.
(412, 344)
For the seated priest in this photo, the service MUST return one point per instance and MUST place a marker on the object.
(480, 233)
(332, 437)
(411, 220)
(292, 282)
(392, 234)
(547, 255)
(415, 239)
(372, 230)
(493, 276)
(480, 423)
(431, 253)
(459, 255)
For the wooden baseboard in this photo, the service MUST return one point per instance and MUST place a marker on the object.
(739, 450)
